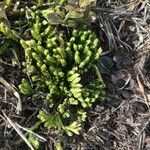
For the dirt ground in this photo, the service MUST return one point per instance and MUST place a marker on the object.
(122, 120)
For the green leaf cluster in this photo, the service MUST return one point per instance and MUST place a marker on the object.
(71, 13)
(10, 38)
(8, 32)
(57, 59)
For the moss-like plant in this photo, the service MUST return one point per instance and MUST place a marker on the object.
(8, 32)
(61, 61)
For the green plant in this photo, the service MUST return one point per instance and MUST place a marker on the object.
(8, 32)
(8, 2)
(10, 38)
(57, 61)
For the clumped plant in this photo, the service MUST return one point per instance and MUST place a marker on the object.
(61, 53)
(59, 59)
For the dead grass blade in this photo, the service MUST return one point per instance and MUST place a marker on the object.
(15, 127)
(16, 94)
(29, 131)
(16, 59)
(142, 91)
(110, 15)
(141, 141)
(127, 81)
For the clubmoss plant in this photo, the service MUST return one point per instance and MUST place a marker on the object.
(8, 32)
(59, 59)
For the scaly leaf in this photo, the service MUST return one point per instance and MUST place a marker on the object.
(53, 18)
(84, 3)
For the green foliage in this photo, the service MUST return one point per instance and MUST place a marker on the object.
(11, 38)
(58, 60)
(71, 13)
(30, 136)
(8, 32)
(8, 2)
(40, 2)
(25, 87)
(51, 121)
(54, 121)
(34, 141)
(73, 128)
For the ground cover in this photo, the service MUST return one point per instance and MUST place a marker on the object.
(121, 121)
